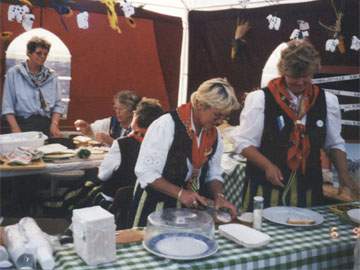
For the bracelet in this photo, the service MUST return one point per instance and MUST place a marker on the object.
(179, 194)
(54, 123)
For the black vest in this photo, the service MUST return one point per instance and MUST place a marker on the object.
(175, 169)
(124, 175)
(275, 141)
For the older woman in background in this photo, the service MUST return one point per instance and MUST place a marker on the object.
(282, 129)
(32, 98)
(117, 126)
(179, 159)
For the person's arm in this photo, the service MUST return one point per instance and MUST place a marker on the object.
(217, 191)
(186, 197)
(111, 162)
(247, 136)
(9, 101)
(335, 144)
(272, 172)
(14, 127)
(104, 138)
(338, 158)
(54, 126)
(83, 127)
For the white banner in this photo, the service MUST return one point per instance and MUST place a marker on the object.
(350, 123)
(343, 92)
(350, 107)
(336, 78)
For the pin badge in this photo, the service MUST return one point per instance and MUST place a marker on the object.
(319, 123)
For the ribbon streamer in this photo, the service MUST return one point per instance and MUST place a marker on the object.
(350, 123)
(342, 92)
(336, 78)
(350, 107)
(111, 13)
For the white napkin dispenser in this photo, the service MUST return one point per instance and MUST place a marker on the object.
(94, 235)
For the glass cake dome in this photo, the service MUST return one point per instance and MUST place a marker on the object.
(180, 234)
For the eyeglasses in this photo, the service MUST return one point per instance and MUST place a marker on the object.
(120, 108)
(41, 53)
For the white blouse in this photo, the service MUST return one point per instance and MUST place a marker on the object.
(110, 163)
(103, 126)
(154, 150)
(250, 130)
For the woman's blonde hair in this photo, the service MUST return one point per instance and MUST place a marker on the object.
(299, 59)
(216, 93)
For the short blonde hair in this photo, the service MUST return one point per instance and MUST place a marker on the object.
(216, 93)
(299, 59)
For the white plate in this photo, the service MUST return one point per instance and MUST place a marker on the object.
(181, 246)
(281, 214)
(58, 156)
(354, 215)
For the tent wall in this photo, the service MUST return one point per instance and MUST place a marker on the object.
(145, 59)
(211, 35)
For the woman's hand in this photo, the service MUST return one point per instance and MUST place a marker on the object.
(191, 199)
(55, 131)
(221, 202)
(103, 138)
(347, 183)
(82, 126)
(274, 175)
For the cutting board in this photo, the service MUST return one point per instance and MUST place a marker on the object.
(35, 165)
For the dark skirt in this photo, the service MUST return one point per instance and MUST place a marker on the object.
(298, 195)
(146, 201)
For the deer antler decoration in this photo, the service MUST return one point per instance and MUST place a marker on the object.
(336, 28)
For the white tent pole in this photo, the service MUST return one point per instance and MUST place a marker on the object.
(184, 60)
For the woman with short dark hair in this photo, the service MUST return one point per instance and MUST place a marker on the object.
(32, 97)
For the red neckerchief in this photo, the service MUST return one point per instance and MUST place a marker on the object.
(300, 148)
(138, 134)
(200, 153)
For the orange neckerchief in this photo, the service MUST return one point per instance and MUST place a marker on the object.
(199, 153)
(138, 134)
(300, 148)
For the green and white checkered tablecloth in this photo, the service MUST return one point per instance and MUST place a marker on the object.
(290, 248)
(234, 185)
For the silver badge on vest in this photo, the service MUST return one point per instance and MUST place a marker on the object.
(320, 123)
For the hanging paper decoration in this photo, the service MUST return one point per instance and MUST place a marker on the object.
(242, 27)
(274, 22)
(355, 43)
(16, 12)
(21, 14)
(302, 32)
(82, 20)
(128, 10)
(331, 45)
(112, 16)
(335, 29)
(28, 21)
